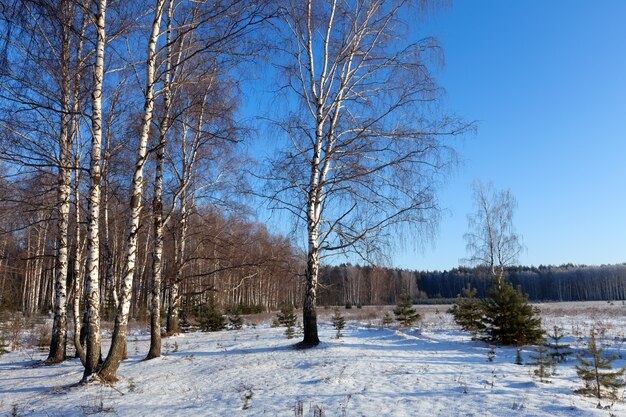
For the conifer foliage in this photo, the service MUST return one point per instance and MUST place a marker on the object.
(596, 371)
(468, 311)
(387, 319)
(543, 362)
(213, 320)
(235, 321)
(287, 317)
(559, 351)
(405, 313)
(339, 322)
(505, 317)
(509, 319)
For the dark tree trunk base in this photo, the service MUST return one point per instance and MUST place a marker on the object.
(306, 345)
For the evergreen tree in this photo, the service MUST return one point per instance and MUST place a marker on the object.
(387, 319)
(405, 313)
(596, 372)
(508, 317)
(213, 320)
(339, 322)
(542, 360)
(3, 344)
(559, 351)
(287, 318)
(235, 321)
(468, 311)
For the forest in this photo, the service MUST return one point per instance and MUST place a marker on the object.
(366, 285)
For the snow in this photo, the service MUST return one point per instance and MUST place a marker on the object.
(435, 370)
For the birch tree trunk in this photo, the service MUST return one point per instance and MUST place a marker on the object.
(157, 203)
(118, 342)
(78, 243)
(78, 261)
(110, 284)
(92, 283)
(173, 325)
(189, 157)
(59, 327)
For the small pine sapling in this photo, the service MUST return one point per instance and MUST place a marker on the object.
(599, 378)
(491, 354)
(235, 321)
(405, 313)
(339, 322)
(213, 321)
(387, 319)
(468, 311)
(287, 318)
(559, 351)
(543, 362)
(4, 345)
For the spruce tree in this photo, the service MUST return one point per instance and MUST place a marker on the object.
(339, 322)
(468, 311)
(508, 317)
(387, 319)
(559, 351)
(597, 371)
(287, 318)
(235, 321)
(213, 320)
(405, 313)
(542, 360)
(3, 344)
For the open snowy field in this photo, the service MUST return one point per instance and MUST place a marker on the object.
(434, 370)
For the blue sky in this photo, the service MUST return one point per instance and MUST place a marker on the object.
(546, 82)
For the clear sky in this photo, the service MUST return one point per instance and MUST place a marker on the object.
(546, 82)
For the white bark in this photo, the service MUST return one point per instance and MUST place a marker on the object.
(118, 343)
(157, 203)
(59, 327)
(92, 281)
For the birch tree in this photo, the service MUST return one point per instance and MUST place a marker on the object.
(92, 278)
(492, 240)
(157, 199)
(59, 327)
(118, 342)
(363, 145)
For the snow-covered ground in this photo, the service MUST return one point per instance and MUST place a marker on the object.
(371, 371)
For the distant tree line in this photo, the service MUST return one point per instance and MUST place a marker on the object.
(356, 284)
